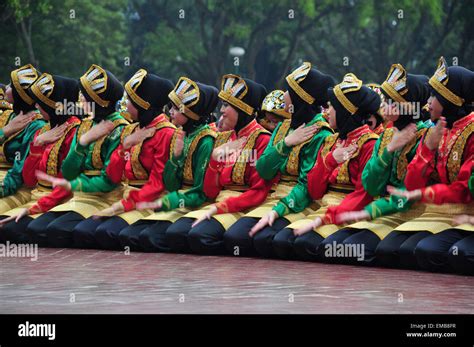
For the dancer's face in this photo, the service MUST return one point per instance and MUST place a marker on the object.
(332, 117)
(435, 107)
(132, 110)
(177, 118)
(229, 117)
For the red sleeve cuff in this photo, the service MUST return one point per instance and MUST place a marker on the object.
(222, 207)
(35, 209)
(328, 218)
(128, 205)
(215, 165)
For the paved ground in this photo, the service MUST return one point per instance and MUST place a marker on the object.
(89, 281)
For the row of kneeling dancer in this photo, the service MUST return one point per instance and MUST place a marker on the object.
(333, 171)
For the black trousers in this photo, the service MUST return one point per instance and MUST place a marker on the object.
(85, 231)
(176, 236)
(446, 252)
(283, 244)
(238, 242)
(397, 249)
(207, 238)
(54, 229)
(353, 240)
(462, 261)
(107, 233)
(100, 233)
(145, 235)
(15, 232)
(307, 246)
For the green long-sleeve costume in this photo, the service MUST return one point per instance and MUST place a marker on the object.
(15, 149)
(471, 182)
(81, 158)
(275, 159)
(193, 162)
(385, 168)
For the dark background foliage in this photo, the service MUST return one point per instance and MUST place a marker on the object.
(176, 37)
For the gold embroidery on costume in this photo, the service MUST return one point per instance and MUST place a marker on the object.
(282, 131)
(139, 171)
(329, 142)
(386, 138)
(293, 163)
(456, 152)
(11, 137)
(222, 138)
(97, 147)
(238, 170)
(188, 164)
(343, 175)
(4, 119)
(128, 130)
(53, 157)
(402, 163)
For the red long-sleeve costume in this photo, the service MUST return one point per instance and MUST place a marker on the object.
(154, 153)
(219, 175)
(326, 169)
(450, 188)
(38, 159)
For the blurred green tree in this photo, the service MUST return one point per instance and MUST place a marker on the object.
(174, 38)
(64, 36)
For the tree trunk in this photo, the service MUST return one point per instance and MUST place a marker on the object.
(26, 34)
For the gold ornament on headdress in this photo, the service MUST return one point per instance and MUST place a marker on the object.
(233, 90)
(275, 103)
(22, 78)
(439, 82)
(4, 104)
(131, 88)
(296, 77)
(94, 82)
(378, 89)
(350, 83)
(395, 85)
(43, 88)
(185, 95)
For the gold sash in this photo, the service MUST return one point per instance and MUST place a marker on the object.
(188, 177)
(437, 218)
(132, 216)
(382, 226)
(281, 190)
(87, 204)
(169, 216)
(3, 172)
(225, 219)
(329, 199)
(21, 197)
(36, 194)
